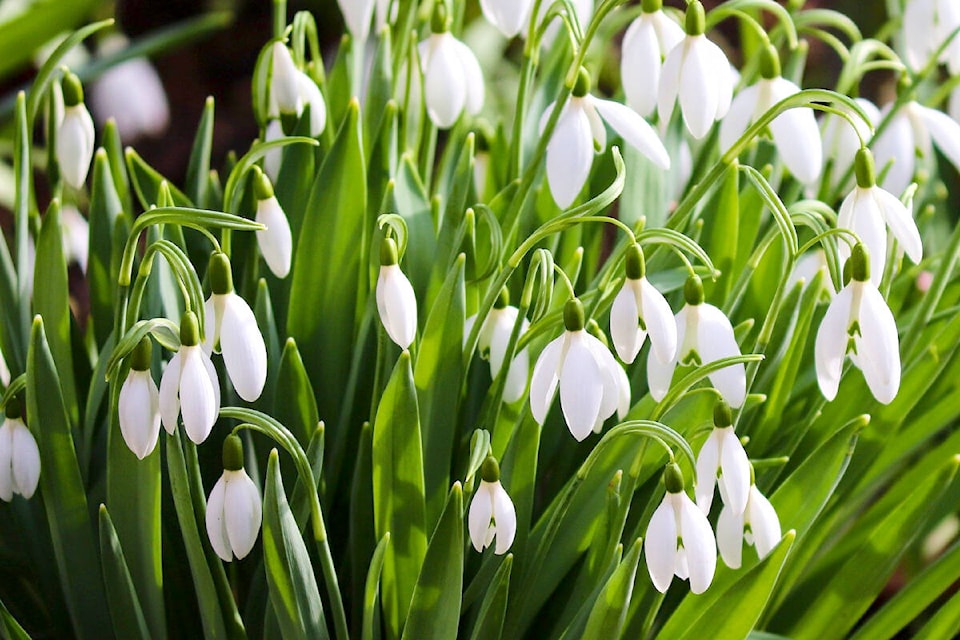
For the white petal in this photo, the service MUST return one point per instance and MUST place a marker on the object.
(276, 242)
(569, 156)
(901, 223)
(310, 95)
(517, 374)
(597, 129)
(730, 537)
(741, 113)
(357, 14)
(625, 331)
(26, 461)
(212, 319)
(699, 544)
(505, 516)
(944, 131)
(831, 343)
(708, 462)
(473, 77)
(283, 83)
(139, 412)
(509, 16)
(170, 394)
(640, 65)
(725, 76)
(699, 93)
(397, 304)
(661, 324)
(244, 352)
(546, 375)
(736, 471)
(670, 80)
(131, 93)
(243, 513)
(445, 87)
(634, 130)
(659, 375)
(763, 523)
(216, 524)
(879, 346)
(660, 545)
(715, 340)
(863, 217)
(273, 157)
(197, 399)
(481, 510)
(623, 395)
(895, 144)
(6, 460)
(581, 389)
(918, 20)
(609, 376)
(797, 136)
(75, 139)
(495, 336)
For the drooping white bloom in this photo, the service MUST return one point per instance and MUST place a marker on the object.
(189, 385)
(722, 461)
(647, 42)
(492, 514)
(584, 370)
(273, 157)
(139, 404)
(234, 512)
(452, 78)
(309, 94)
(697, 72)
(230, 322)
(679, 540)
(757, 525)
(19, 456)
(276, 241)
(868, 210)
(396, 300)
(580, 127)
(131, 93)
(640, 309)
(492, 341)
(357, 14)
(704, 335)
(910, 131)
(284, 85)
(509, 16)
(795, 131)
(841, 141)
(859, 322)
(926, 26)
(75, 134)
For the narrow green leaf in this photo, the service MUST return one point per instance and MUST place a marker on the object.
(489, 625)
(128, 621)
(9, 627)
(110, 140)
(263, 312)
(362, 538)
(944, 623)
(610, 609)
(105, 206)
(409, 199)
(146, 182)
(198, 168)
(722, 233)
(372, 589)
(295, 406)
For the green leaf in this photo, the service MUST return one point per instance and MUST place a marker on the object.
(362, 538)
(105, 206)
(722, 232)
(198, 168)
(147, 180)
(263, 311)
(610, 609)
(9, 627)
(489, 625)
(398, 495)
(435, 609)
(293, 587)
(944, 623)
(128, 621)
(296, 406)
(372, 590)
(409, 199)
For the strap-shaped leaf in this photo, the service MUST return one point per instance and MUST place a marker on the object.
(128, 621)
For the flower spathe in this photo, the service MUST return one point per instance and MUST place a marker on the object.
(509, 16)
(492, 514)
(452, 78)
(19, 456)
(859, 322)
(234, 513)
(638, 310)
(492, 341)
(646, 43)
(276, 241)
(396, 301)
(189, 386)
(139, 403)
(75, 134)
(757, 525)
(723, 462)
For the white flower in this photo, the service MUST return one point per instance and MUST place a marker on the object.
(722, 461)
(284, 85)
(273, 157)
(189, 385)
(640, 309)
(276, 242)
(230, 322)
(452, 78)
(696, 71)
(139, 404)
(396, 300)
(358, 15)
(5, 371)
(131, 93)
(75, 231)
(910, 131)
(580, 126)
(491, 512)
(509, 16)
(926, 26)
(868, 210)
(309, 94)
(704, 335)
(757, 525)
(647, 42)
(806, 269)
(234, 513)
(841, 140)
(19, 456)
(795, 132)
(679, 540)
(859, 321)
(584, 370)
(492, 341)
(75, 134)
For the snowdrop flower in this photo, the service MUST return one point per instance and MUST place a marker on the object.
(234, 513)
(75, 135)
(509, 16)
(131, 93)
(358, 14)
(139, 405)
(757, 525)
(723, 462)
(492, 342)
(704, 335)
(841, 141)
(859, 322)
(795, 131)
(584, 370)
(396, 301)
(697, 72)
(910, 131)
(309, 94)
(189, 385)
(19, 456)
(492, 514)
(580, 126)
(926, 26)
(230, 322)
(647, 42)
(284, 85)
(868, 210)
(273, 157)
(276, 242)
(640, 309)
(452, 78)
(679, 540)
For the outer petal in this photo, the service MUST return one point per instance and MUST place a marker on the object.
(944, 130)
(478, 520)
(735, 469)
(197, 399)
(863, 217)
(473, 77)
(6, 460)
(715, 340)
(730, 537)
(170, 394)
(901, 223)
(445, 86)
(623, 393)
(597, 129)
(569, 156)
(658, 317)
(670, 80)
(699, 543)
(634, 130)
(708, 462)
(273, 158)
(244, 352)
(139, 412)
(660, 546)
(243, 512)
(75, 139)
(659, 376)
(276, 241)
(216, 524)
(26, 461)
(397, 304)
(283, 84)
(310, 95)
(625, 331)
(212, 319)
(581, 389)
(546, 375)
(517, 377)
(640, 65)
(505, 516)
(896, 145)
(741, 113)
(918, 20)
(764, 523)
(879, 347)
(797, 136)
(699, 93)
(609, 376)
(509, 16)
(726, 78)
(831, 344)
(357, 14)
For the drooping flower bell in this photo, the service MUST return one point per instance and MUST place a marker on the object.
(492, 514)
(704, 335)
(580, 126)
(509, 16)
(311, 96)
(697, 72)
(75, 135)
(139, 404)
(493, 339)
(284, 85)
(640, 309)
(927, 24)
(452, 78)
(795, 131)
(584, 370)
(189, 385)
(679, 540)
(276, 242)
(273, 158)
(722, 461)
(624, 392)
(19, 456)
(234, 512)
(396, 300)
(757, 525)
(647, 42)
(868, 210)
(230, 322)
(858, 322)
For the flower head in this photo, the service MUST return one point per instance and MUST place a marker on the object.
(493, 339)
(139, 404)
(509, 16)
(722, 461)
(492, 514)
(640, 309)
(757, 525)
(234, 513)
(452, 78)
(647, 42)
(19, 456)
(189, 385)
(276, 242)
(75, 135)
(926, 26)
(396, 301)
